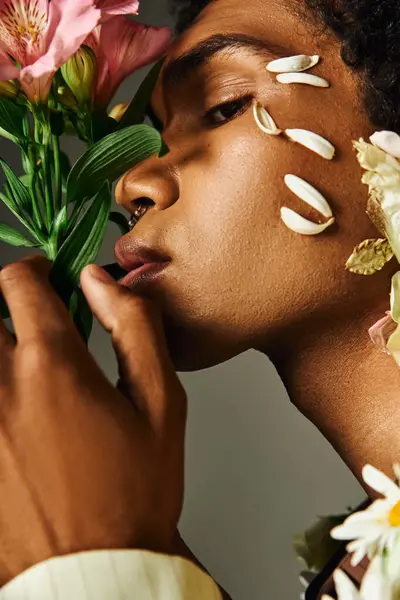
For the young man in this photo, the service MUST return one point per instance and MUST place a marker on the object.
(215, 267)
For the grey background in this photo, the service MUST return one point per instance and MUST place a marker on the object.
(257, 471)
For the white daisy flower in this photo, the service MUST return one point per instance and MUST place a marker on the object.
(378, 526)
(380, 582)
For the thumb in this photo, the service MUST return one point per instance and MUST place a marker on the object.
(139, 341)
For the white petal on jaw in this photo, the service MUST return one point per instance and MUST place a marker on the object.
(305, 78)
(312, 141)
(292, 64)
(308, 193)
(380, 482)
(299, 224)
(389, 141)
(264, 120)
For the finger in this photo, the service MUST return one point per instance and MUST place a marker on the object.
(34, 306)
(138, 338)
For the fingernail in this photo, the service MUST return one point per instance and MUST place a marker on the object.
(100, 274)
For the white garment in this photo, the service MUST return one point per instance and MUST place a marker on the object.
(112, 575)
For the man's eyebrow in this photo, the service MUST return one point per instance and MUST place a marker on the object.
(179, 69)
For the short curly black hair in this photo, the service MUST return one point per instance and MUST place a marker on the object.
(369, 31)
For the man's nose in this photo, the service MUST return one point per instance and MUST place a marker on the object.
(154, 182)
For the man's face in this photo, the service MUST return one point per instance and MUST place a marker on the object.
(238, 278)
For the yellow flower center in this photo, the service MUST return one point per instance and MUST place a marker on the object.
(394, 515)
(21, 22)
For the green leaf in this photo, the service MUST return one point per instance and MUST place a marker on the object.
(12, 116)
(83, 244)
(12, 236)
(12, 208)
(59, 227)
(121, 221)
(20, 193)
(136, 111)
(25, 179)
(65, 166)
(110, 158)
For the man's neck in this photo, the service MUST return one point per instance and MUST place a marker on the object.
(350, 390)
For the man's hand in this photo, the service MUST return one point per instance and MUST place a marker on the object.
(83, 465)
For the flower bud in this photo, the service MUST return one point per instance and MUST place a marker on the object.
(79, 73)
(66, 97)
(8, 89)
(118, 111)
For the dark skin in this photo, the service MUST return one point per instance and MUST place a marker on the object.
(238, 279)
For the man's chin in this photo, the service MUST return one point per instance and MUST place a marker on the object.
(194, 350)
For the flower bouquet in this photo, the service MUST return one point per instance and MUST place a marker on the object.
(373, 533)
(61, 62)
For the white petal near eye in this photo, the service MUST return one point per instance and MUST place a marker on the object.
(305, 78)
(264, 120)
(292, 64)
(309, 194)
(299, 224)
(312, 141)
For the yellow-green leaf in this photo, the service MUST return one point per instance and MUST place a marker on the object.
(369, 257)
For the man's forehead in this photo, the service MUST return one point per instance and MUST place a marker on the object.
(269, 21)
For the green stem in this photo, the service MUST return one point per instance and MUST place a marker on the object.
(48, 191)
(57, 174)
(39, 188)
(35, 205)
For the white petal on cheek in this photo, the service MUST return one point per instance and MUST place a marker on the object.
(312, 141)
(299, 224)
(308, 193)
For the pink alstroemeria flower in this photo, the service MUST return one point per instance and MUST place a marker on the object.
(123, 46)
(118, 7)
(41, 36)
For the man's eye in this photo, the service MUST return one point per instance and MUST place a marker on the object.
(223, 113)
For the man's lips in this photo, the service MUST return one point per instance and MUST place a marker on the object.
(141, 262)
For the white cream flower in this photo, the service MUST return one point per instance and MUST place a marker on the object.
(383, 179)
(382, 175)
(380, 582)
(378, 526)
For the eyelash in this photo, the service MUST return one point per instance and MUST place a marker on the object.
(244, 101)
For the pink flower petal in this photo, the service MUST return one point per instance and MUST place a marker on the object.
(7, 68)
(381, 332)
(31, 19)
(118, 7)
(70, 22)
(126, 46)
